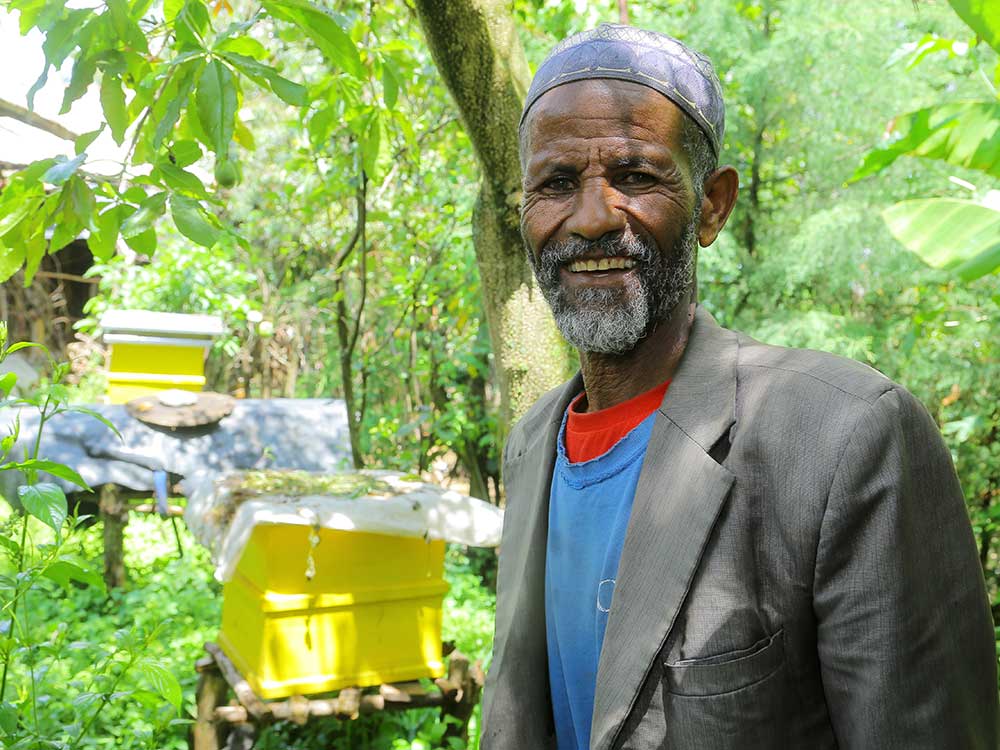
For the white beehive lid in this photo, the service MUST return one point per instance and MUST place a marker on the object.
(147, 326)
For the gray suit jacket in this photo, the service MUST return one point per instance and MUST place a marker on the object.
(798, 571)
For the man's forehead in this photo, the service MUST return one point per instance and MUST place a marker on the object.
(645, 58)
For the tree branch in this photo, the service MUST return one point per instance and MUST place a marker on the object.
(19, 113)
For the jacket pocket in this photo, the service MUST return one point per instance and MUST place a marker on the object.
(725, 673)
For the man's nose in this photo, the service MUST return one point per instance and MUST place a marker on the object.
(595, 213)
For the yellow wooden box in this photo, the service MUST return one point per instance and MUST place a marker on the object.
(371, 613)
(152, 351)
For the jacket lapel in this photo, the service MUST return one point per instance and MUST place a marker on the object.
(680, 493)
(517, 709)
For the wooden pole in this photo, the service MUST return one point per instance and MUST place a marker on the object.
(623, 12)
(114, 514)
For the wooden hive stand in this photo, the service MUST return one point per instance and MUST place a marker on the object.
(233, 724)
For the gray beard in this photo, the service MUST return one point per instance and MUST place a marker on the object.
(613, 321)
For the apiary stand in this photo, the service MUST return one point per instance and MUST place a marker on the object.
(223, 724)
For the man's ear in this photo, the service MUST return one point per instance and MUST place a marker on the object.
(721, 188)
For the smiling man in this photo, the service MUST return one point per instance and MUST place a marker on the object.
(709, 542)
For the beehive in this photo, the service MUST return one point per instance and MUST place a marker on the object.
(352, 609)
(153, 351)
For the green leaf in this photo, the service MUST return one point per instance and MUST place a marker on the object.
(966, 134)
(11, 259)
(957, 235)
(7, 382)
(390, 85)
(162, 681)
(371, 143)
(82, 143)
(51, 467)
(168, 110)
(192, 23)
(113, 103)
(243, 45)
(983, 16)
(332, 40)
(34, 251)
(142, 220)
(215, 100)
(143, 243)
(8, 718)
(184, 153)
(19, 207)
(64, 571)
(171, 9)
(46, 502)
(191, 222)
(101, 240)
(63, 169)
(266, 76)
(180, 179)
(84, 70)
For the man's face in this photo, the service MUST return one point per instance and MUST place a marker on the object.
(610, 217)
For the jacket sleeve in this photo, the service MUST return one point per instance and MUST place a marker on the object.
(905, 636)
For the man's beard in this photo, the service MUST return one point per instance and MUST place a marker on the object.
(613, 321)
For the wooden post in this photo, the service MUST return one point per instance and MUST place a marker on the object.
(114, 514)
(210, 693)
(460, 703)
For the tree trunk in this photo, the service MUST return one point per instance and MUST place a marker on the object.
(476, 48)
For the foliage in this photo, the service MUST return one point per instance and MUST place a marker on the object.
(36, 541)
(962, 236)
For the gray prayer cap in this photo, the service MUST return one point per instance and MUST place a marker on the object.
(625, 53)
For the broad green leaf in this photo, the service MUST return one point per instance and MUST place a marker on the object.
(113, 103)
(148, 212)
(390, 85)
(966, 134)
(34, 251)
(171, 9)
(55, 469)
(371, 143)
(23, 206)
(957, 235)
(191, 222)
(83, 142)
(215, 100)
(180, 179)
(46, 502)
(63, 169)
(192, 23)
(7, 383)
(84, 70)
(268, 77)
(332, 40)
(162, 681)
(168, 109)
(8, 718)
(65, 571)
(143, 243)
(184, 153)
(983, 16)
(243, 45)
(102, 240)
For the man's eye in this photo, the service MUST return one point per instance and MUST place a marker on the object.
(635, 179)
(559, 185)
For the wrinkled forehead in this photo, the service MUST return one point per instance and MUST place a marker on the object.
(620, 119)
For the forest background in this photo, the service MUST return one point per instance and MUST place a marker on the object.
(341, 186)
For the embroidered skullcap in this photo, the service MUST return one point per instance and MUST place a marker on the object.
(625, 53)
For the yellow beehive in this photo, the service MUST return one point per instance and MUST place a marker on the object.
(153, 351)
(369, 613)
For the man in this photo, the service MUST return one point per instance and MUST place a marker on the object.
(709, 542)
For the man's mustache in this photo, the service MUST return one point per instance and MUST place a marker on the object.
(624, 245)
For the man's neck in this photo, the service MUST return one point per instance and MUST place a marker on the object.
(610, 379)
